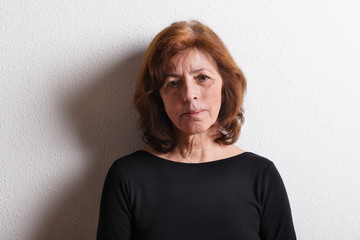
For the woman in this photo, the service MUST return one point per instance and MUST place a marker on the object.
(192, 182)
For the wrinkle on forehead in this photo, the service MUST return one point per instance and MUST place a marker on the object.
(176, 64)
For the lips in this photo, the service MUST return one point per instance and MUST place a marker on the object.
(193, 113)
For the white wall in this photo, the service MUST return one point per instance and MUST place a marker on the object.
(67, 72)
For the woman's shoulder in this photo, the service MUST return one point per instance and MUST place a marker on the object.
(258, 162)
(252, 162)
(135, 158)
(246, 157)
(256, 158)
(133, 163)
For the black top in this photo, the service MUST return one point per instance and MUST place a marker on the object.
(237, 198)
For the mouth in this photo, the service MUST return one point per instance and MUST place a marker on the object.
(194, 113)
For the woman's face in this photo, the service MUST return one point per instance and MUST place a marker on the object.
(192, 92)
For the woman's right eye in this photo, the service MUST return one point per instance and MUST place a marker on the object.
(173, 84)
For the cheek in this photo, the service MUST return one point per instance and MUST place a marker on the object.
(170, 105)
(215, 96)
(168, 101)
(215, 100)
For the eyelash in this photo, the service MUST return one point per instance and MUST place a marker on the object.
(175, 83)
(202, 76)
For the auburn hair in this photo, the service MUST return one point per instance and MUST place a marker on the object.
(158, 130)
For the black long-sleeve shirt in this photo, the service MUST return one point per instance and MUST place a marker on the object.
(146, 197)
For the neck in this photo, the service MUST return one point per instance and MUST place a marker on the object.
(195, 148)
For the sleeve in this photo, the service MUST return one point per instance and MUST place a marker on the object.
(276, 219)
(115, 214)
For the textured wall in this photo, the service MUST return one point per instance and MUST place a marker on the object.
(67, 72)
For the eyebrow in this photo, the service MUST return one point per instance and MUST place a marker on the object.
(199, 70)
(192, 72)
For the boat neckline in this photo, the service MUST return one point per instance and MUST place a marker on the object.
(218, 161)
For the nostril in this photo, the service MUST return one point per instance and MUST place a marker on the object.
(190, 98)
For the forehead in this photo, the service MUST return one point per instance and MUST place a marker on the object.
(190, 59)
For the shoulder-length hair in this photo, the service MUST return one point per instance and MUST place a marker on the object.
(158, 130)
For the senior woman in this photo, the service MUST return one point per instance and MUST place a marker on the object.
(192, 182)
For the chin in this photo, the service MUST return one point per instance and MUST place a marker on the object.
(195, 130)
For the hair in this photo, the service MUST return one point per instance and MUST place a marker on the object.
(158, 130)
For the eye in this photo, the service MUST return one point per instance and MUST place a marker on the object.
(173, 84)
(202, 78)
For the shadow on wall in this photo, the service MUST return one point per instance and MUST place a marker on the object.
(103, 117)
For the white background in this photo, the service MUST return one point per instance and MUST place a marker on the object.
(67, 72)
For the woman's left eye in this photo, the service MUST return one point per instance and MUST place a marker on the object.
(202, 77)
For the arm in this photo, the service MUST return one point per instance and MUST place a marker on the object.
(276, 219)
(115, 214)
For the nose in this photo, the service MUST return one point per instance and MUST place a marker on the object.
(191, 92)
